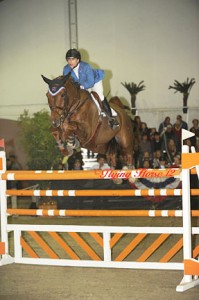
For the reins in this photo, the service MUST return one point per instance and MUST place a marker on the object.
(71, 112)
(77, 108)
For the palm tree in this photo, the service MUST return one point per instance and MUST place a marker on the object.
(185, 89)
(134, 89)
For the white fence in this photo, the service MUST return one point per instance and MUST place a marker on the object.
(154, 116)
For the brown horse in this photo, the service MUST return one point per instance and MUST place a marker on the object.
(75, 112)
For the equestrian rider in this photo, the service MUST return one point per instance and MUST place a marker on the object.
(88, 78)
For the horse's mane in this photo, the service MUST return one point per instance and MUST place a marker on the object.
(75, 83)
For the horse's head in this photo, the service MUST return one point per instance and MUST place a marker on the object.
(57, 98)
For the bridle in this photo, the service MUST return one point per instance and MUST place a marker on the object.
(65, 114)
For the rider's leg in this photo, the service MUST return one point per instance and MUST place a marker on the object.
(98, 88)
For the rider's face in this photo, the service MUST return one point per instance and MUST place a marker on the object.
(72, 61)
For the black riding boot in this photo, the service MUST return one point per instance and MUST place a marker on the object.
(113, 122)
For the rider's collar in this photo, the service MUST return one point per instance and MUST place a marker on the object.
(76, 70)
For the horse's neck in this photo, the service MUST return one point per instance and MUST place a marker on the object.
(75, 94)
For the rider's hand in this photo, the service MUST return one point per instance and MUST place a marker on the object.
(82, 87)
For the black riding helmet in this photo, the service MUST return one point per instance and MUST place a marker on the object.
(73, 53)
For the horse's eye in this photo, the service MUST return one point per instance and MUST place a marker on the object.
(63, 95)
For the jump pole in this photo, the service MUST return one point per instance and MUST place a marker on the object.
(98, 193)
(98, 213)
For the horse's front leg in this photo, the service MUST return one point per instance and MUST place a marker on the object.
(69, 135)
(56, 134)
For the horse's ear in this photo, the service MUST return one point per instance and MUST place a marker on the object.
(48, 81)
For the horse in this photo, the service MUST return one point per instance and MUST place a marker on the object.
(76, 112)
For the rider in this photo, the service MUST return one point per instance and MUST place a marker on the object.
(88, 78)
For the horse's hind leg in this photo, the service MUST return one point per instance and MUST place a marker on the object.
(111, 159)
(127, 152)
(130, 160)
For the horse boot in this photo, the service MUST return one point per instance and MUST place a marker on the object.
(73, 142)
(112, 121)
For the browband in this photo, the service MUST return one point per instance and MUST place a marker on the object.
(56, 92)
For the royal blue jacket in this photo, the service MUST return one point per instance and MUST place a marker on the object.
(87, 76)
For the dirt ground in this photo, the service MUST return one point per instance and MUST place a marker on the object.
(25, 282)
(32, 282)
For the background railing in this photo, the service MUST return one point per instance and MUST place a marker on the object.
(152, 116)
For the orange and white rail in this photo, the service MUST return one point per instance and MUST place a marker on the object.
(98, 213)
(98, 193)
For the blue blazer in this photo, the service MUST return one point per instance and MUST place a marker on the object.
(87, 76)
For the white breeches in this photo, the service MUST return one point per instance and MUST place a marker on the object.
(98, 88)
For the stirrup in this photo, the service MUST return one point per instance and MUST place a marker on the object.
(113, 123)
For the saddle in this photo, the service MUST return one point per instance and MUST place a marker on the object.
(97, 101)
(99, 105)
